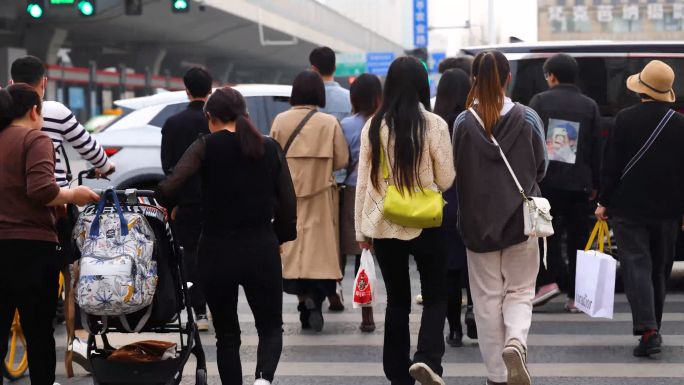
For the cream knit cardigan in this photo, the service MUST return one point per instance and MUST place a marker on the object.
(436, 169)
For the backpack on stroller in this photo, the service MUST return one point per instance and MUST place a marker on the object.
(155, 302)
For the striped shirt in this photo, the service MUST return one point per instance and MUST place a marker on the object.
(61, 126)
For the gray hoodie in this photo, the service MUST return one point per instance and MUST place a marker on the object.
(490, 205)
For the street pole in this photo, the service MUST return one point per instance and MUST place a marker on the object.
(492, 27)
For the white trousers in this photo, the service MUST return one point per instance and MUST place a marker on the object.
(502, 284)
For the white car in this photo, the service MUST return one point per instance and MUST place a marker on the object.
(133, 142)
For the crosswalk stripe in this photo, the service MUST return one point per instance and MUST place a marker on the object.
(415, 318)
(362, 369)
(559, 340)
(382, 297)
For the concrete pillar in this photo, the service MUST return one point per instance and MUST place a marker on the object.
(44, 42)
(7, 56)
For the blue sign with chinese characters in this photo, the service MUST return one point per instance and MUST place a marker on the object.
(435, 59)
(420, 23)
(377, 63)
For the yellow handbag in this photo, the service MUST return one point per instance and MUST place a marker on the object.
(421, 210)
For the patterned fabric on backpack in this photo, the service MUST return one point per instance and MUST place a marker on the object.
(117, 273)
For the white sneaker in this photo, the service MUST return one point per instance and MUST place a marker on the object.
(419, 299)
(423, 374)
(261, 381)
(81, 353)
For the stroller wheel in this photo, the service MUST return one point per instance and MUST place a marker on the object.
(201, 377)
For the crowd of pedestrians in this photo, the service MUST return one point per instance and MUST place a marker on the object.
(317, 190)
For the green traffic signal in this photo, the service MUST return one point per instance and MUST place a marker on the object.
(180, 4)
(86, 7)
(35, 10)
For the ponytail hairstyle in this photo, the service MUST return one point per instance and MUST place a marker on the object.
(228, 105)
(490, 70)
(15, 101)
(407, 88)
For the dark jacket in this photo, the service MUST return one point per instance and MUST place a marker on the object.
(654, 187)
(563, 109)
(179, 132)
(490, 205)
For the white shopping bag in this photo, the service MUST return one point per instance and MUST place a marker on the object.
(595, 280)
(364, 284)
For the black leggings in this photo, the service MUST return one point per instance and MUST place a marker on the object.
(30, 285)
(250, 259)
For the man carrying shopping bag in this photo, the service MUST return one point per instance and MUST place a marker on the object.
(642, 191)
(595, 280)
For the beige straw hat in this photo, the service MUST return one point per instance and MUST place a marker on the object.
(655, 81)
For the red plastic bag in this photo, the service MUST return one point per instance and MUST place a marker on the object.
(364, 284)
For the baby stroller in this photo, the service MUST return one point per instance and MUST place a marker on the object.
(170, 298)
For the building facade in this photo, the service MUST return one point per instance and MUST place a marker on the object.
(611, 20)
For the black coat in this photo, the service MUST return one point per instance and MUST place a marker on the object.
(179, 132)
(578, 116)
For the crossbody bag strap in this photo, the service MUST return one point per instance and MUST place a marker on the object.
(297, 130)
(383, 161)
(648, 143)
(63, 153)
(510, 169)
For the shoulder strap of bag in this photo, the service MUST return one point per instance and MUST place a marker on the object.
(522, 191)
(297, 130)
(383, 161)
(63, 153)
(648, 143)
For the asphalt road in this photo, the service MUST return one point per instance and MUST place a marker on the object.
(564, 348)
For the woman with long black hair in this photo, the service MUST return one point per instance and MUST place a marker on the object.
(249, 209)
(452, 95)
(366, 97)
(502, 261)
(416, 145)
(28, 236)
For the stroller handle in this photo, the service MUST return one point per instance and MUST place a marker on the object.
(130, 195)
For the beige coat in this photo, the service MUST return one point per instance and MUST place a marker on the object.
(319, 149)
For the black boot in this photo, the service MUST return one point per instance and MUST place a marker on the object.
(315, 314)
(470, 323)
(304, 315)
(648, 346)
(455, 339)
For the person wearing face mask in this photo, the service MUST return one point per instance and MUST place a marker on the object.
(28, 236)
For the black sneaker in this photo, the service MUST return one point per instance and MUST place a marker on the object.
(455, 339)
(648, 346)
(470, 323)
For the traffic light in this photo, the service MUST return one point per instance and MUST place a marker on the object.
(133, 7)
(87, 8)
(36, 8)
(180, 6)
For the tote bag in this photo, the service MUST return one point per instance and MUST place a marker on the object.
(595, 280)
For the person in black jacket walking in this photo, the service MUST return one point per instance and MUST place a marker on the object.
(573, 141)
(179, 132)
(642, 191)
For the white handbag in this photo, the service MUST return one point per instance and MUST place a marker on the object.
(537, 211)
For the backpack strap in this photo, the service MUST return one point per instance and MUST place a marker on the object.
(86, 324)
(95, 227)
(297, 130)
(648, 143)
(141, 323)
